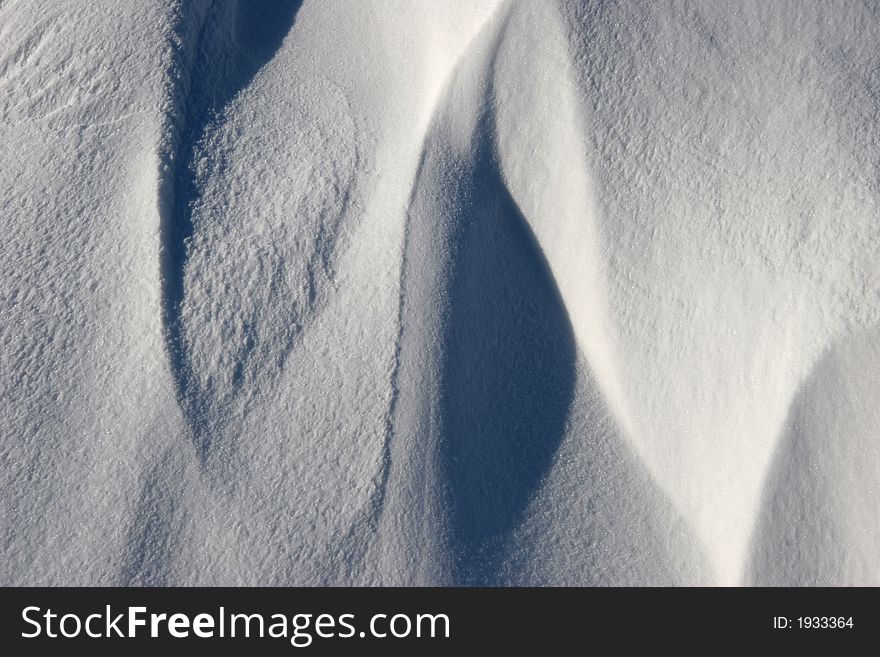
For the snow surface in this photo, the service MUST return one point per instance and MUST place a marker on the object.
(410, 292)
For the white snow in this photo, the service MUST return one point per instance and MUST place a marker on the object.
(408, 292)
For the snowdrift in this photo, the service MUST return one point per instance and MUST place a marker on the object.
(394, 292)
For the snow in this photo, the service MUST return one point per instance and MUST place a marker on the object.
(406, 292)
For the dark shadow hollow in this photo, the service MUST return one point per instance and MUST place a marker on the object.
(508, 377)
(233, 42)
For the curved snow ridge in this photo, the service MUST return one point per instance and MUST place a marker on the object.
(501, 287)
(821, 501)
(377, 529)
(547, 170)
(737, 226)
(611, 246)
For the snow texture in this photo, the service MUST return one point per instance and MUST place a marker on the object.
(410, 292)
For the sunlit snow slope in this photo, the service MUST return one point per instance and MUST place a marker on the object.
(418, 292)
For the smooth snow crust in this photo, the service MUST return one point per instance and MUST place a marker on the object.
(399, 292)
